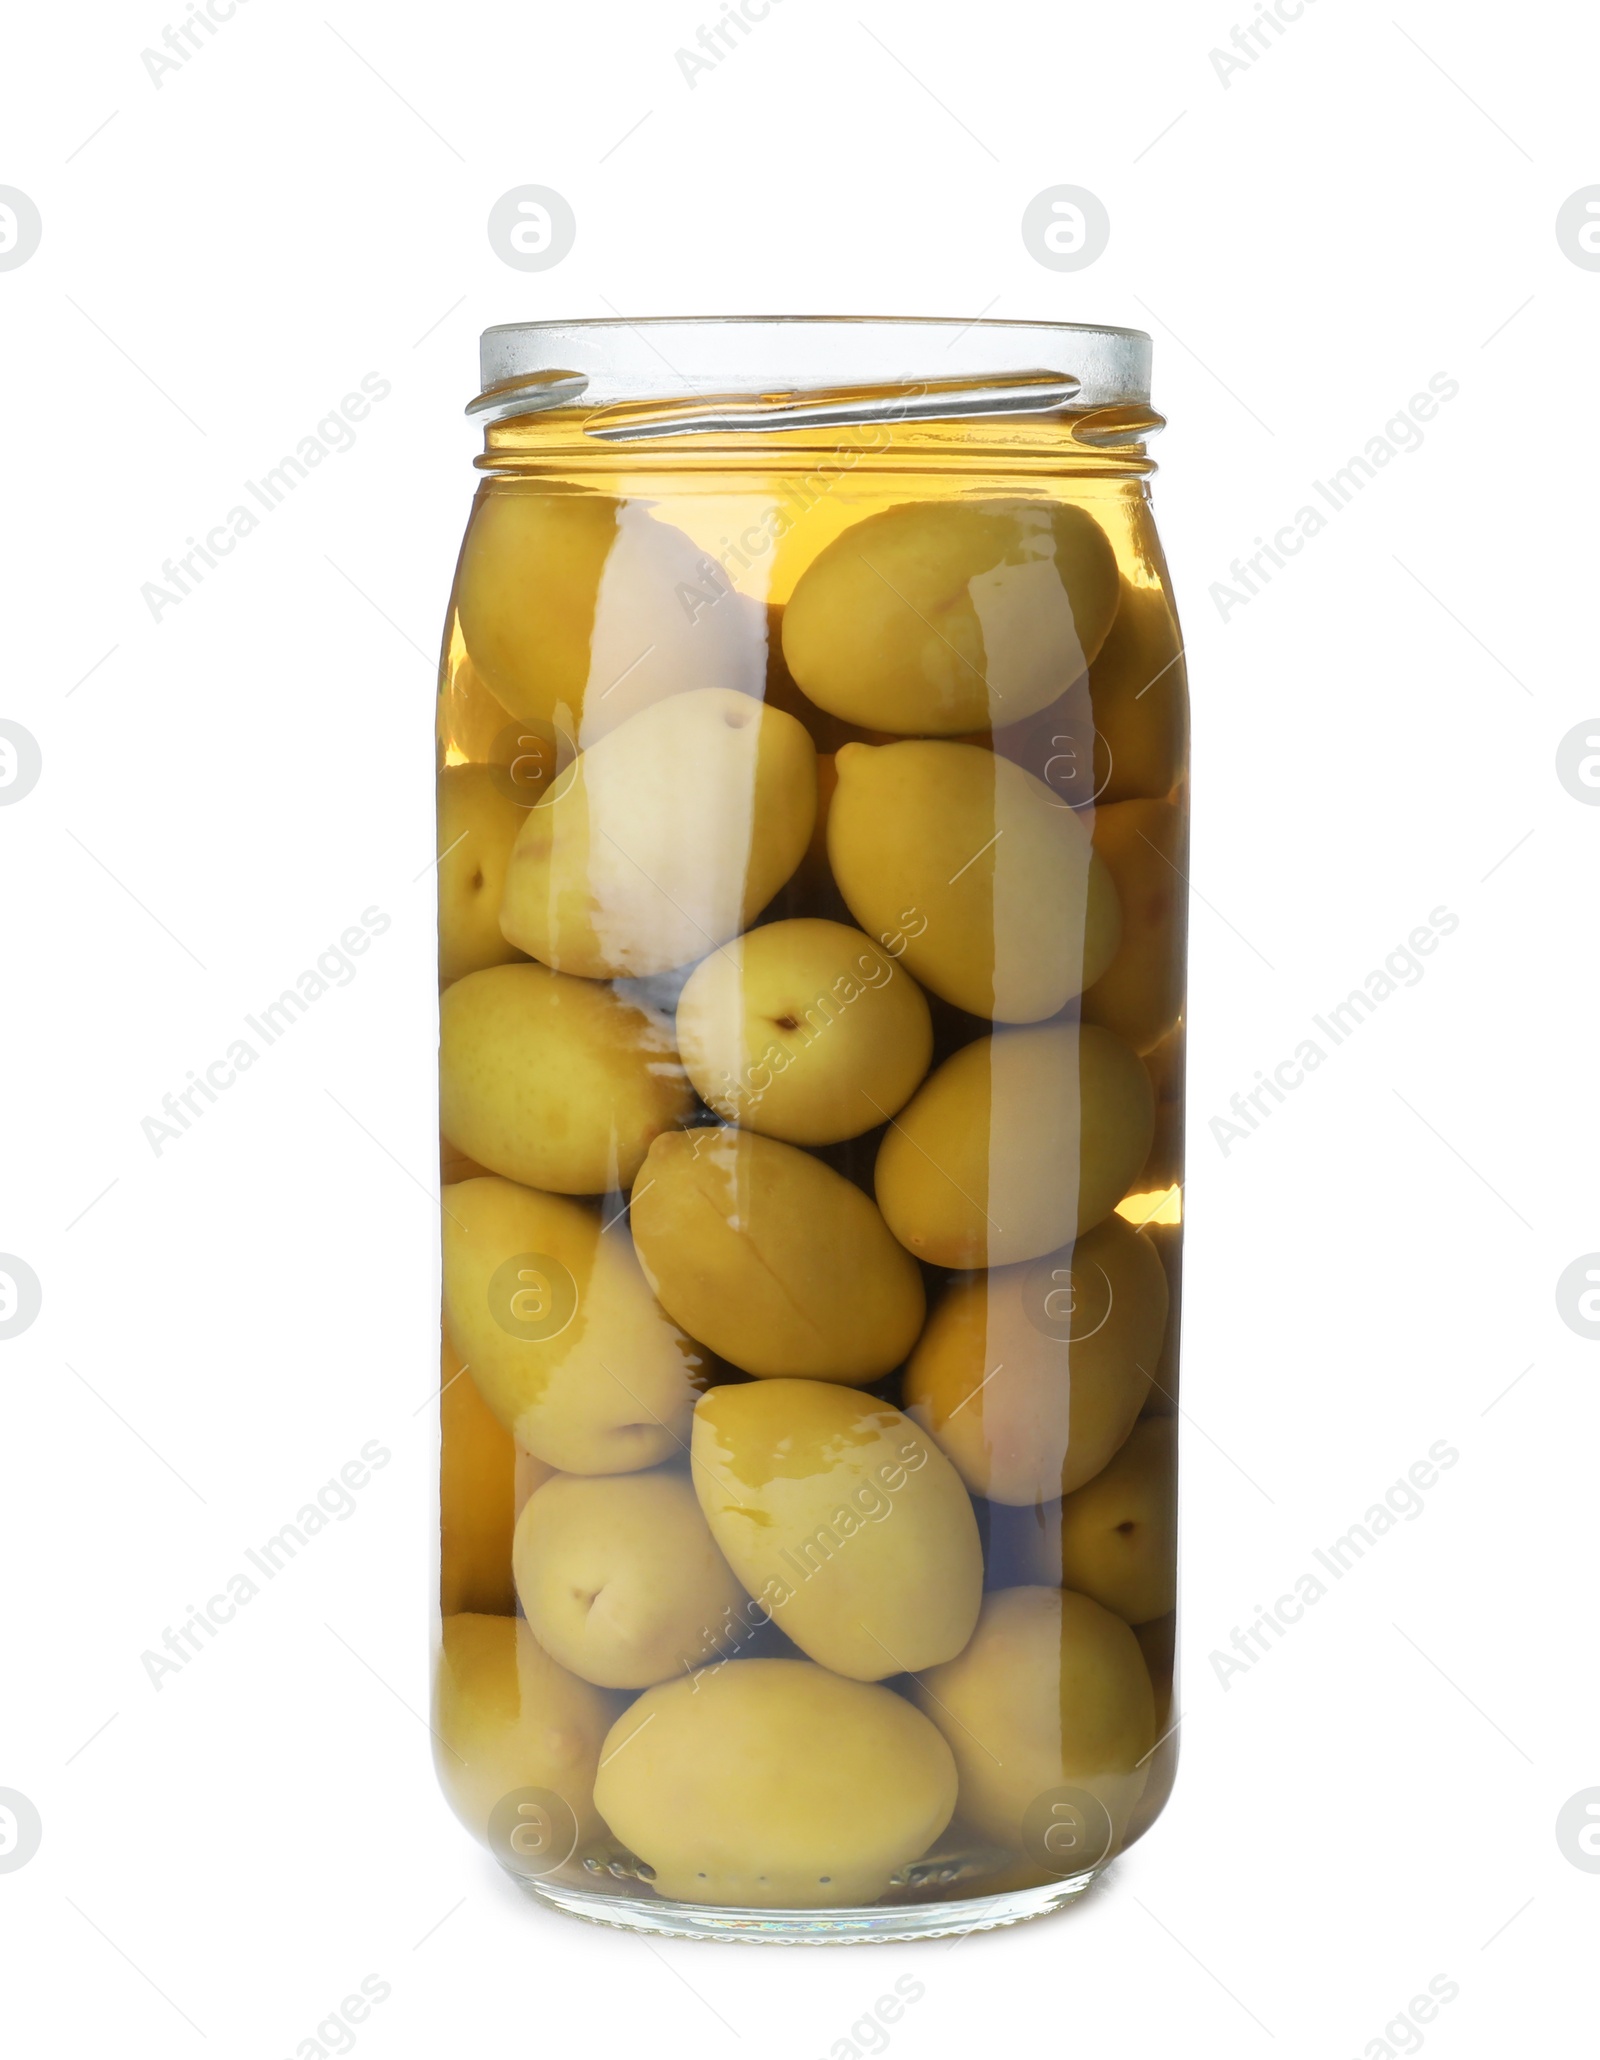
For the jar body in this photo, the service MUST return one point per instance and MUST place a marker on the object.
(813, 823)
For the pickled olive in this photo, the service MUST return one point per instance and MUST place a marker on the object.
(773, 1260)
(565, 1342)
(773, 1784)
(1140, 993)
(477, 1498)
(478, 824)
(455, 1165)
(805, 1031)
(1165, 1065)
(1016, 1145)
(1030, 1377)
(827, 732)
(570, 610)
(619, 1578)
(1119, 1532)
(1140, 693)
(1052, 1692)
(1120, 733)
(935, 618)
(1162, 1400)
(1158, 1641)
(469, 719)
(506, 1716)
(989, 888)
(554, 1082)
(844, 1521)
(664, 839)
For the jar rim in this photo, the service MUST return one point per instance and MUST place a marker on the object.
(611, 360)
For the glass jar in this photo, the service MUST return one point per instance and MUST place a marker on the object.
(812, 829)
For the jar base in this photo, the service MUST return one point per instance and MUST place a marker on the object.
(874, 1924)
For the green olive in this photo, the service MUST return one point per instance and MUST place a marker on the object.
(974, 874)
(773, 1784)
(843, 1519)
(1051, 1693)
(772, 1259)
(1030, 1377)
(1016, 1145)
(507, 1716)
(572, 610)
(567, 1345)
(555, 1082)
(939, 617)
(1139, 994)
(1119, 1533)
(664, 839)
(620, 1579)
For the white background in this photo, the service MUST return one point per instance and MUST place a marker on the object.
(1370, 202)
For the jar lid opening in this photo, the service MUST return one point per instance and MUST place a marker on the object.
(801, 362)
